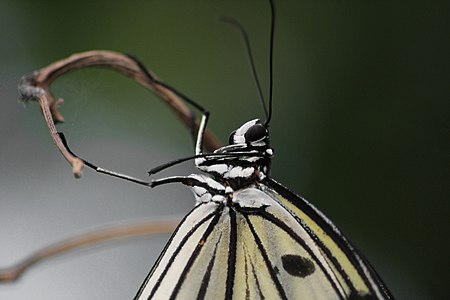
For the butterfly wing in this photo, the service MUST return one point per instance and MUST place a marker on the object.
(259, 247)
(355, 273)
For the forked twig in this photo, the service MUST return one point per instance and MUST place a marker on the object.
(12, 273)
(36, 86)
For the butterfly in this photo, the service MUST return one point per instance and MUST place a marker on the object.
(250, 237)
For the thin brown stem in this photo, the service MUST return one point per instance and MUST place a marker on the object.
(36, 86)
(12, 273)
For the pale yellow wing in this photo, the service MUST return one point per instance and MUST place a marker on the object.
(261, 246)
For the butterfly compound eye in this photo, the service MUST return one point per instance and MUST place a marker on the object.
(255, 133)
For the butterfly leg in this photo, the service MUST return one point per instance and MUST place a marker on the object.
(205, 188)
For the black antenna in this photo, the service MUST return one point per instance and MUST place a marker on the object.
(267, 112)
(272, 30)
(243, 32)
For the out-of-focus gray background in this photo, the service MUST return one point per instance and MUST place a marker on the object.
(360, 127)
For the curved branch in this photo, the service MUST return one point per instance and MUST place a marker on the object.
(36, 86)
(12, 273)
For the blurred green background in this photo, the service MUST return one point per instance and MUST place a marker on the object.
(360, 128)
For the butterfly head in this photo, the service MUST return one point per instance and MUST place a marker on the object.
(251, 133)
(248, 156)
(253, 138)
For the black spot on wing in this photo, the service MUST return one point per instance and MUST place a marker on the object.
(280, 224)
(297, 266)
(356, 257)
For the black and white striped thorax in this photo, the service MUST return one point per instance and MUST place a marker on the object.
(245, 161)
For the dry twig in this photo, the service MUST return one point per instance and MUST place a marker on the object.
(36, 86)
(14, 272)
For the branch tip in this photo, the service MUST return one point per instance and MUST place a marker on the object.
(77, 167)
